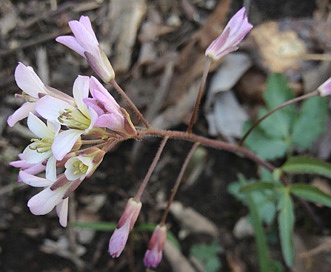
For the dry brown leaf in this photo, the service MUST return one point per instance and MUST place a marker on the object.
(280, 50)
(125, 18)
(192, 221)
(177, 260)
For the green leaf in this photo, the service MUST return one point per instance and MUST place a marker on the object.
(277, 92)
(307, 165)
(311, 193)
(311, 122)
(286, 224)
(257, 186)
(260, 237)
(207, 254)
(264, 146)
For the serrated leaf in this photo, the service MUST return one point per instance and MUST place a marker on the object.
(307, 165)
(311, 193)
(257, 186)
(311, 122)
(286, 224)
(264, 146)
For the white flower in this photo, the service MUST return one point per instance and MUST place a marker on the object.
(40, 149)
(79, 118)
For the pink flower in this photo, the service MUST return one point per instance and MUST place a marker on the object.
(85, 43)
(325, 88)
(33, 88)
(153, 255)
(79, 118)
(233, 33)
(49, 198)
(125, 225)
(110, 114)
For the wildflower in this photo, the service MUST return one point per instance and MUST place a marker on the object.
(85, 43)
(234, 32)
(153, 255)
(325, 88)
(45, 201)
(32, 86)
(40, 149)
(125, 225)
(110, 114)
(78, 118)
(83, 165)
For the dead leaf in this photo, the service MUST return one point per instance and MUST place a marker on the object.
(192, 221)
(280, 50)
(177, 260)
(123, 36)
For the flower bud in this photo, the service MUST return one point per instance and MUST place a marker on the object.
(125, 225)
(153, 255)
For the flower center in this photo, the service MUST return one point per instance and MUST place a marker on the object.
(74, 119)
(41, 145)
(80, 168)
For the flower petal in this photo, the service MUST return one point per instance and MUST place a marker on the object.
(80, 92)
(43, 202)
(21, 113)
(28, 81)
(62, 212)
(72, 43)
(38, 127)
(64, 142)
(34, 180)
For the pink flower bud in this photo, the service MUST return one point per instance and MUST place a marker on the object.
(325, 88)
(233, 33)
(153, 255)
(85, 43)
(125, 225)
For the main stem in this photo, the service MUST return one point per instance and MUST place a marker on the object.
(206, 142)
(129, 101)
(199, 97)
(292, 101)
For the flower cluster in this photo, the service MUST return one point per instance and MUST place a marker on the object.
(72, 135)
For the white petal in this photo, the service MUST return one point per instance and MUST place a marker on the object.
(45, 201)
(80, 91)
(38, 127)
(64, 142)
(33, 180)
(32, 156)
(50, 107)
(51, 169)
(62, 212)
(28, 81)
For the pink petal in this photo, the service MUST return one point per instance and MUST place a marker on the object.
(34, 180)
(85, 21)
(21, 113)
(45, 201)
(72, 43)
(38, 127)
